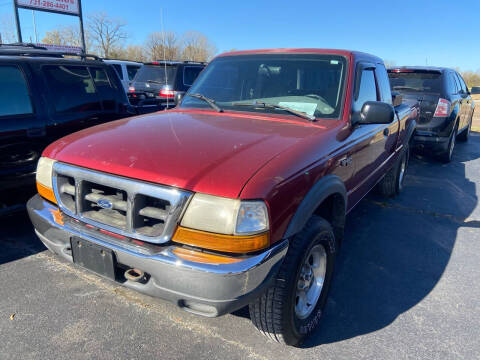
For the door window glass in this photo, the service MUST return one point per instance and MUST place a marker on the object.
(72, 88)
(104, 88)
(367, 90)
(118, 69)
(462, 84)
(14, 97)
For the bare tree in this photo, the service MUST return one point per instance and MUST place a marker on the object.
(471, 78)
(107, 33)
(67, 35)
(7, 30)
(197, 47)
(163, 45)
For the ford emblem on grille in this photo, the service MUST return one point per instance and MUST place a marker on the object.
(104, 204)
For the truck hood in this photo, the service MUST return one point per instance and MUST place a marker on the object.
(200, 151)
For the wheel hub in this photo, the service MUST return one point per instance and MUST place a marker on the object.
(310, 281)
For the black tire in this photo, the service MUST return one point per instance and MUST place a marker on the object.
(392, 183)
(465, 134)
(274, 313)
(447, 155)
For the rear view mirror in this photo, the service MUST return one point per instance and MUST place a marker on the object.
(397, 99)
(376, 112)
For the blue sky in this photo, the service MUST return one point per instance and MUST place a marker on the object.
(407, 32)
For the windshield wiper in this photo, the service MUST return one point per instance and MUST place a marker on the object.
(277, 107)
(155, 82)
(406, 88)
(209, 101)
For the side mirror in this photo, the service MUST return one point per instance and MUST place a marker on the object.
(178, 98)
(376, 112)
(397, 98)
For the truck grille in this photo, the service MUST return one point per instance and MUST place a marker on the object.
(131, 208)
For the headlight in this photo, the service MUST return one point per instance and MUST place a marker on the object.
(44, 178)
(226, 225)
(226, 216)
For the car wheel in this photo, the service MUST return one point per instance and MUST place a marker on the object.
(291, 308)
(446, 156)
(392, 183)
(466, 133)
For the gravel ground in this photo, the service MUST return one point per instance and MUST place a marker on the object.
(406, 286)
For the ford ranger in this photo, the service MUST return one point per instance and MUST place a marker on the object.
(239, 195)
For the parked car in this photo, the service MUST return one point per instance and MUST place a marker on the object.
(126, 70)
(446, 107)
(239, 195)
(475, 92)
(43, 97)
(158, 84)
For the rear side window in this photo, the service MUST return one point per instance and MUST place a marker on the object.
(452, 84)
(104, 87)
(132, 71)
(367, 90)
(416, 81)
(118, 69)
(72, 88)
(383, 84)
(462, 84)
(190, 73)
(14, 97)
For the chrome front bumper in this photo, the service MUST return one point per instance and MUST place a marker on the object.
(205, 289)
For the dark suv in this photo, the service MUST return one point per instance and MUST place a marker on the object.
(158, 85)
(446, 107)
(45, 96)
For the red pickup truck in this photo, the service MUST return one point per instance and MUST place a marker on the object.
(239, 195)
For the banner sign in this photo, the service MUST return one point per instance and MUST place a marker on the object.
(69, 7)
(62, 48)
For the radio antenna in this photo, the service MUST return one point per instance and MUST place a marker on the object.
(164, 53)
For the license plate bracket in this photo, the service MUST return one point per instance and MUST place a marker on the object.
(93, 257)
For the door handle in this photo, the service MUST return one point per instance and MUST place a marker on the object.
(386, 132)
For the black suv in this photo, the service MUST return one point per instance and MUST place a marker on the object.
(446, 107)
(45, 96)
(158, 85)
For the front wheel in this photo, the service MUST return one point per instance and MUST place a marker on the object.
(291, 308)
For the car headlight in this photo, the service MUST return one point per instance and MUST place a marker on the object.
(225, 216)
(222, 224)
(44, 178)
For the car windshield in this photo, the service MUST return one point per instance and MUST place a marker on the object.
(423, 81)
(156, 74)
(307, 83)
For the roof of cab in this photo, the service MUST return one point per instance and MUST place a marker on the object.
(357, 55)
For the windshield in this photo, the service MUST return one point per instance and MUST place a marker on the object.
(424, 81)
(311, 84)
(156, 73)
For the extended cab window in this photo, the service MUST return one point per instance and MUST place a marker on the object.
(14, 97)
(308, 83)
(383, 84)
(367, 90)
(72, 88)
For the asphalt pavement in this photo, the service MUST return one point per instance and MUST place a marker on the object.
(406, 287)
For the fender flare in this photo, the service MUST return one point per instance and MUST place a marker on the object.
(325, 187)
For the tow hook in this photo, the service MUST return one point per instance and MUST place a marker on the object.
(134, 275)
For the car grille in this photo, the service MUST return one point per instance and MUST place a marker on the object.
(131, 208)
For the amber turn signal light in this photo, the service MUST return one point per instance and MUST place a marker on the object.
(46, 193)
(224, 243)
(204, 258)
